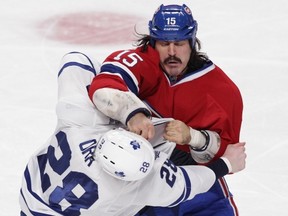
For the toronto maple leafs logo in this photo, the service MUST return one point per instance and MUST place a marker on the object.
(120, 174)
(135, 145)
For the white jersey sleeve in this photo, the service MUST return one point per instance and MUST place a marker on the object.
(170, 185)
(74, 107)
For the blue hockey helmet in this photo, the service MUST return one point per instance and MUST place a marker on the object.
(173, 23)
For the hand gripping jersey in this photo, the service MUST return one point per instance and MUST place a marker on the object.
(64, 178)
(205, 99)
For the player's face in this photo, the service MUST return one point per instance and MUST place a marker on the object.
(174, 55)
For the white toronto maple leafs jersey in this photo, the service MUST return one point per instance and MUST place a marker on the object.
(64, 178)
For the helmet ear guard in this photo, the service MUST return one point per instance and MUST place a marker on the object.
(173, 23)
(125, 155)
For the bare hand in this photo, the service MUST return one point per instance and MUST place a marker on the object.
(142, 125)
(178, 132)
(235, 153)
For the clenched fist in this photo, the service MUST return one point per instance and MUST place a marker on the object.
(236, 155)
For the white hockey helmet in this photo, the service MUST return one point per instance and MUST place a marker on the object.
(125, 155)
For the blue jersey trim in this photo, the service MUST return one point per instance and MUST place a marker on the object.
(186, 193)
(85, 67)
(125, 76)
(206, 65)
(187, 182)
(75, 52)
(29, 187)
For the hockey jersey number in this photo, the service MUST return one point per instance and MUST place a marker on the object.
(72, 194)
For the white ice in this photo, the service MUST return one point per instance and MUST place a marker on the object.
(248, 39)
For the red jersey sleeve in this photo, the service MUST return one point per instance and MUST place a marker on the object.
(127, 69)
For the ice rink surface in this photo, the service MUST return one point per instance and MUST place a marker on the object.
(247, 39)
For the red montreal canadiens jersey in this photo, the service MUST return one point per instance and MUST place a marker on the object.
(204, 99)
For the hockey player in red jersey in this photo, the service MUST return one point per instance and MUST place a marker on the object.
(90, 166)
(169, 73)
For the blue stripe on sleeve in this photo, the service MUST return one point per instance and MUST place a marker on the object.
(85, 67)
(188, 183)
(187, 190)
(124, 74)
(36, 196)
(85, 56)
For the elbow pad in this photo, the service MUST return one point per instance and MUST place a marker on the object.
(206, 153)
(118, 105)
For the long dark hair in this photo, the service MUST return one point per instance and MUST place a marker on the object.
(197, 58)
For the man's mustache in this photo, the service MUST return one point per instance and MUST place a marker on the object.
(172, 58)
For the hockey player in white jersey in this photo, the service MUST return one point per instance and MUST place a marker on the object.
(90, 166)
